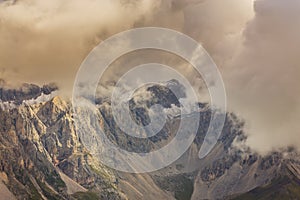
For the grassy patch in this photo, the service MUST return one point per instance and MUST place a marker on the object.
(280, 189)
(47, 192)
(55, 181)
(181, 185)
(86, 196)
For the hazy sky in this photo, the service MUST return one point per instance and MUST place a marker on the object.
(255, 44)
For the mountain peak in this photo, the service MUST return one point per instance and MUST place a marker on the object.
(23, 92)
(57, 100)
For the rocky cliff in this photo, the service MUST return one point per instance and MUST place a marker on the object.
(42, 156)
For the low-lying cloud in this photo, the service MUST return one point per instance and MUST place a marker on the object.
(264, 77)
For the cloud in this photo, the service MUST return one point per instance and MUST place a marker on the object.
(255, 45)
(47, 40)
(263, 79)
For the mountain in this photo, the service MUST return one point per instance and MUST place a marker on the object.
(43, 157)
(24, 92)
(285, 186)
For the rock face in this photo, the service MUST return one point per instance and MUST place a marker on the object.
(42, 156)
(39, 146)
(24, 92)
(285, 186)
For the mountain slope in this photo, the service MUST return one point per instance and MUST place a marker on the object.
(287, 186)
(43, 157)
(37, 144)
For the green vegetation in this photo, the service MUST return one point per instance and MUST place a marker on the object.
(34, 194)
(186, 189)
(105, 176)
(181, 185)
(55, 181)
(22, 176)
(280, 189)
(47, 192)
(86, 196)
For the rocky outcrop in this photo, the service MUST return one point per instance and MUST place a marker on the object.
(39, 146)
(42, 156)
(24, 92)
